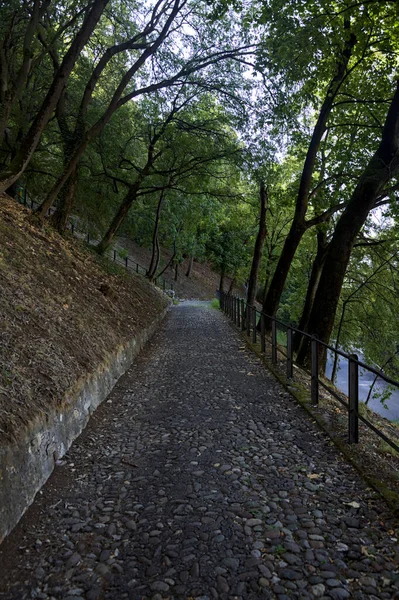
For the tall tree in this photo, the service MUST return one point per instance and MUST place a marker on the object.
(185, 144)
(156, 252)
(299, 223)
(135, 82)
(147, 42)
(14, 66)
(380, 170)
(315, 274)
(260, 239)
(28, 146)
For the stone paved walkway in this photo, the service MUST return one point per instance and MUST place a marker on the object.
(201, 478)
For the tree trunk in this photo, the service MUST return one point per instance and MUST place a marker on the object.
(221, 282)
(190, 266)
(14, 91)
(61, 216)
(170, 261)
(29, 144)
(155, 256)
(272, 300)
(116, 102)
(260, 239)
(338, 338)
(232, 284)
(117, 220)
(62, 181)
(265, 287)
(381, 168)
(125, 205)
(158, 255)
(317, 267)
(299, 224)
(176, 271)
(267, 274)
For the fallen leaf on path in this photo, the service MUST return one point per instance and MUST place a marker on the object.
(353, 504)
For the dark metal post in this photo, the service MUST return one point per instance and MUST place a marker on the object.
(248, 320)
(262, 333)
(126, 261)
(88, 237)
(243, 314)
(353, 387)
(234, 310)
(72, 228)
(114, 255)
(290, 368)
(274, 341)
(314, 390)
(137, 267)
(254, 324)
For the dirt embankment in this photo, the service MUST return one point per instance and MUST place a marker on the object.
(62, 312)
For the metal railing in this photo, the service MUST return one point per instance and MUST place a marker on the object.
(249, 319)
(126, 261)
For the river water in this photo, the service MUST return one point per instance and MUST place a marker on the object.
(365, 381)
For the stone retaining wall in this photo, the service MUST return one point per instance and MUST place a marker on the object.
(27, 464)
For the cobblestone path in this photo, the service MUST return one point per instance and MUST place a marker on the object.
(201, 478)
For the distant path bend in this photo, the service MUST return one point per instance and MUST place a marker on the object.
(200, 477)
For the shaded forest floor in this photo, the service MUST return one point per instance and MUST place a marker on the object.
(202, 283)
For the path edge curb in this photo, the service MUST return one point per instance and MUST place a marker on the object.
(26, 464)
